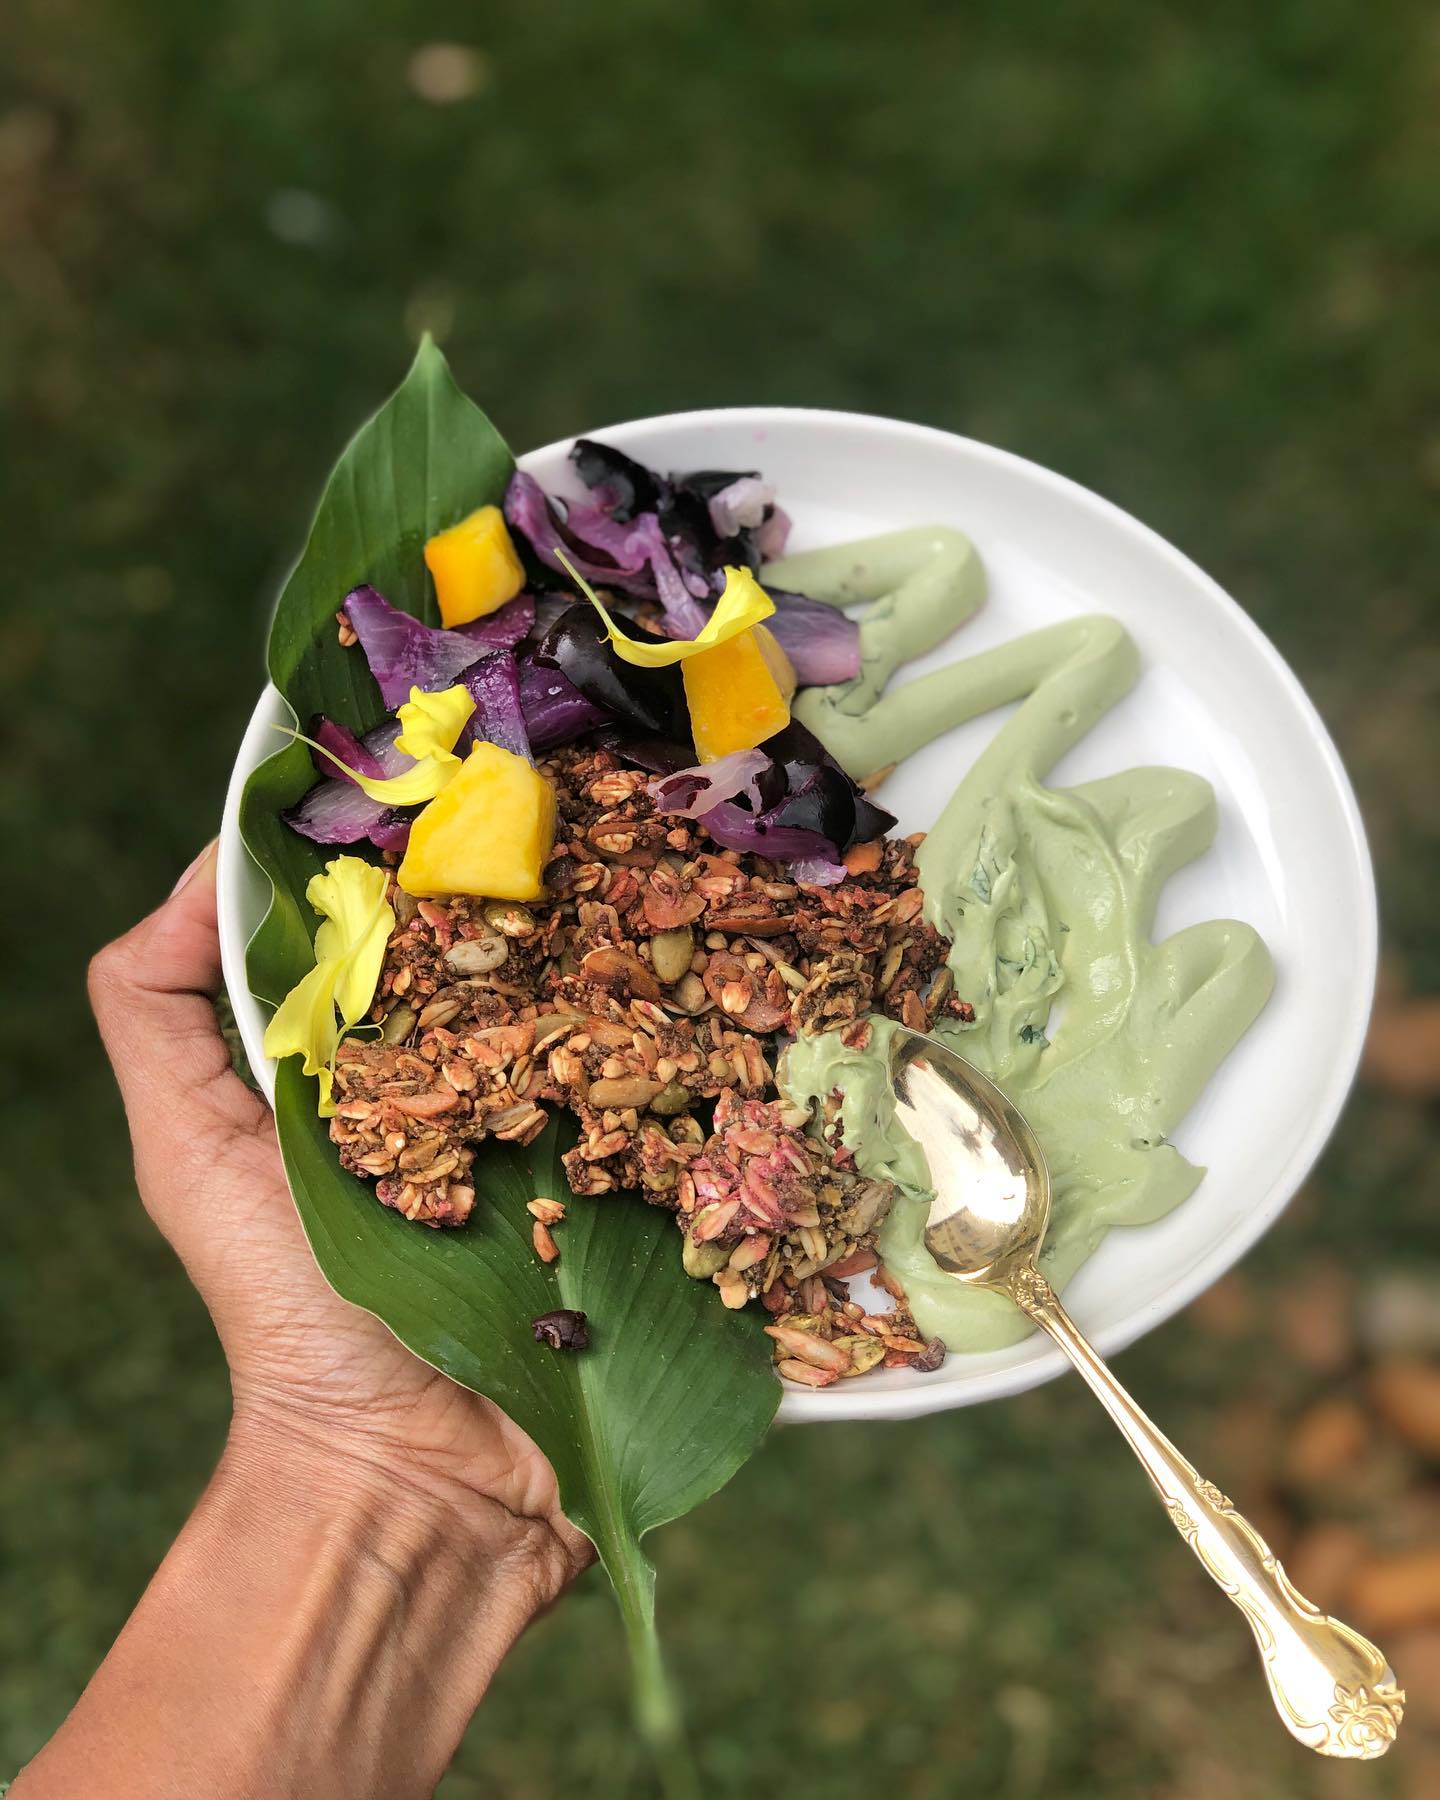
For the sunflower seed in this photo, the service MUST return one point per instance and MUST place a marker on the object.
(477, 956)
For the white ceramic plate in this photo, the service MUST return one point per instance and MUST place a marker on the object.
(1290, 856)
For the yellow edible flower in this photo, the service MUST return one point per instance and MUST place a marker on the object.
(430, 723)
(743, 603)
(349, 949)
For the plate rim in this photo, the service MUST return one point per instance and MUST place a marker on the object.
(235, 871)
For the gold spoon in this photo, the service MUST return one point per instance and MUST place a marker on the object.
(1335, 1691)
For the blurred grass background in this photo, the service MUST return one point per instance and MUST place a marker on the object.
(1188, 256)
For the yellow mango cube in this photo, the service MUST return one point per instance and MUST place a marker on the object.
(778, 663)
(474, 566)
(738, 693)
(489, 832)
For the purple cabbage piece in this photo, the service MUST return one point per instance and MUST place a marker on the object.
(528, 511)
(554, 709)
(336, 811)
(621, 485)
(642, 538)
(822, 643)
(630, 557)
(811, 789)
(494, 685)
(819, 871)
(341, 742)
(789, 800)
(709, 517)
(502, 629)
(744, 505)
(649, 701)
(731, 825)
(691, 793)
(679, 594)
(627, 544)
(772, 537)
(689, 528)
(392, 832)
(548, 608)
(378, 755)
(404, 653)
(726, 800)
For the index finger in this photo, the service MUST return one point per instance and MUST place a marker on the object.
(153, 994)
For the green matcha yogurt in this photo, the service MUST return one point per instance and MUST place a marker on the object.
(1102, 1038)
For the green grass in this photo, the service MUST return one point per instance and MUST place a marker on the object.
(1186, 255)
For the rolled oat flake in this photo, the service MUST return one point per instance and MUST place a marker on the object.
(562, 1329)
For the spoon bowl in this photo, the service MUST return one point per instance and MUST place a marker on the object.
(988, 1176)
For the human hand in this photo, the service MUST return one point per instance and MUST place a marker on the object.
(375, 1537)
(319, 1385)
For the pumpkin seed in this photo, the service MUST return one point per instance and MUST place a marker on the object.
(510, 918)
(864, 1353)
(623, 1090)
(671, 1099)
(549, 1025)
(399, 1023)
(704, 1260)
(477, 956)
(670, 953)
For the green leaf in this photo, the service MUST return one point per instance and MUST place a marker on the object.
(426, 459)
(675, 1392)
(670, 1399)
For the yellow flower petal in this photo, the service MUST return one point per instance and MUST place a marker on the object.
(742, 604)
(415, 786)
(349, 949)
(305, 1024)
(432, 722)
(412, 787)
(357, 927)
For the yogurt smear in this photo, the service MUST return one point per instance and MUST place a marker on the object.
(1047, 895)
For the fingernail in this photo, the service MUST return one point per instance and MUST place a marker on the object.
(194, 869)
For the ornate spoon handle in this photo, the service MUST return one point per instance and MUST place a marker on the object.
(1334, 1690)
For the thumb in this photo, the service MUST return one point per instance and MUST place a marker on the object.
(153, 991)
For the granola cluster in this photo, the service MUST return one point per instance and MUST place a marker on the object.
(652, 982)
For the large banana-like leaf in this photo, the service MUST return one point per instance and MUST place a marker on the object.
(675, 1392)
